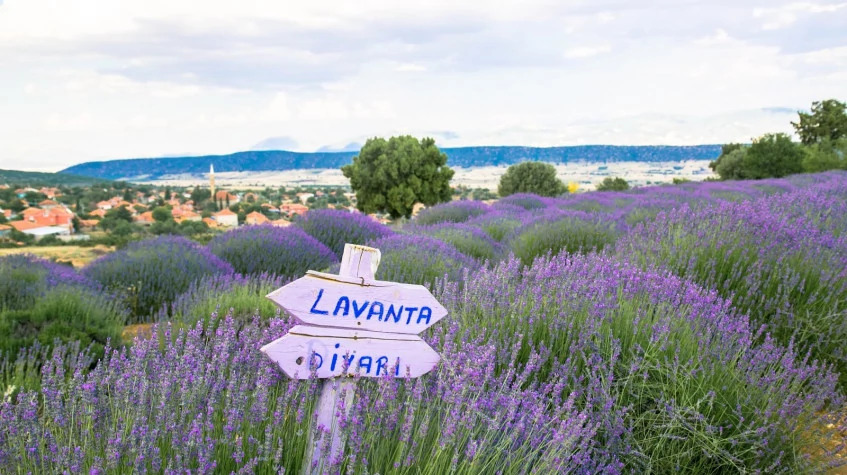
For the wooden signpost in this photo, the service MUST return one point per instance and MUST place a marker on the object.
(352, 325)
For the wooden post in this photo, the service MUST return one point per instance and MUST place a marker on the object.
(358, 262)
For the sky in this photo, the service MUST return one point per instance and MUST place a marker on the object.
(89, 80)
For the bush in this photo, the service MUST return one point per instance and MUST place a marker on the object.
(531, 177)
(667, 370)
(777, 258)
(63, 314)
(468, 240)
(284, 252)
(560, 234)
(228, 294)
(153, 272)
(452, 212)
(334, 228)
(420, 260)
(41, 301)
(526, 201)
(497, 224)
(613, 184)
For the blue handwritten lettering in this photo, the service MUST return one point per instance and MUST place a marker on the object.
(357, 311)
(410, 311)
(380, 364)
(426, 312)
(365, 362)
(391, 313)
(314, 308)
(374, 311)
(346, 302)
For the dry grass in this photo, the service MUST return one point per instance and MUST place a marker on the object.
(141, 330)
(78, 256)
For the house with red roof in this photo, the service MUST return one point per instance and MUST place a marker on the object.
(226, 218)
(256, 218)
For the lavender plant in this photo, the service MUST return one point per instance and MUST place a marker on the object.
(41, 301)
(668, 372)
(769, 256)
(151, 273)
(241, 297)
(284, 252)
(452, 212)
(334, 228)
(420, 260)
(211, 403)
(560, 232)
(468, 240)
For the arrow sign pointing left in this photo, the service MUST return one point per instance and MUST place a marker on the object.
(333, 352)
(353, 302)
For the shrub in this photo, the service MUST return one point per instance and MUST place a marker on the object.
(41, 301)
(452, 212)
(334, 228)
(526, 201)
(531, 177)
(774, 257)
(420, 260)
(555, 234)
(497, 224)
(468, 240)
(284, 252)
(666, 370)
(153, 272)
(63, 314)
(613, 184)
(232, 410)
(228, 294)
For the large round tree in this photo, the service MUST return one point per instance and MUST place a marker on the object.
(392, 175)
(531, 177)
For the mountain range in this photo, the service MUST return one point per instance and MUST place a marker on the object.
(466, 157)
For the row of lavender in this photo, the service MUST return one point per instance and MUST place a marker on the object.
(683, 344)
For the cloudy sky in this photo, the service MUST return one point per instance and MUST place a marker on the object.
(99, 79)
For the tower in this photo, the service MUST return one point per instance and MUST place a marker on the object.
(212, 181)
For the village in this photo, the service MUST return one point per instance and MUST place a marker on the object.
(116, 212)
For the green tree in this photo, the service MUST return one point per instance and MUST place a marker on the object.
(199, 195)
(827, 155)
(392, 175)
(162, 214)
(731, 165)
(772, 156)
(827, 121)
(120, 213)
(531, 177)
(122, 228)
(613, 184)
(726, 149)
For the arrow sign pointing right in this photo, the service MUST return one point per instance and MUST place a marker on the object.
(369, 354)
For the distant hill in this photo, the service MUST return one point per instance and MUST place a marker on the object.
(278, 160)
(18, 177)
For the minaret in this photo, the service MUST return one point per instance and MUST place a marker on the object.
(212, 181)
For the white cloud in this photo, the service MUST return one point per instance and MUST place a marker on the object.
(586, 51)
(94, 79)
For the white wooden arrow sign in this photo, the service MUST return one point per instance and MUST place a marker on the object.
(353, 324)
(356, 302)
(330, 352)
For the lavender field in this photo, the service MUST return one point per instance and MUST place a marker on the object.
(691, 328)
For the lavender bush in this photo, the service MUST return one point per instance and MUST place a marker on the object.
(334, 228)
(420, 260)
(452, 212)
(153, 272)
(284, 252)
(211, 403)
(241, 297)
(561, 232)
(468, 240)
(667, 372)
(41, 301)
(497, 224)
(774, 257)
(527, 201)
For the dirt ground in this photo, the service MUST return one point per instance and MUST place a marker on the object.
(78, 256)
